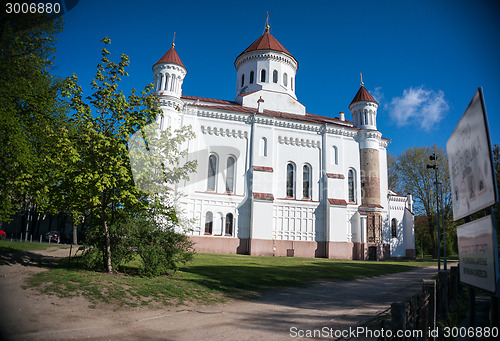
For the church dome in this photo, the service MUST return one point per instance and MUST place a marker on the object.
(171, 57)
(266, 42)
(363, 96)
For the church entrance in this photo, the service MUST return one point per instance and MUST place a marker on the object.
(372, 253)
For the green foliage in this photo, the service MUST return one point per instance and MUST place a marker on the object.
(100, 183)
(30, 111)
(161, 249)
(410, 174)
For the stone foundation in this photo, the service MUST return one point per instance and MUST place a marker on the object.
(220, 245)
(290, 248)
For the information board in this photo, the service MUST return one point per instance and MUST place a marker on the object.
(476, 250)
(469, 159)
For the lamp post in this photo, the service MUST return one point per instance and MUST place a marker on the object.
(435, 167)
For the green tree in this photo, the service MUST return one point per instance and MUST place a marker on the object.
(101, 182)
(413, 176)
(30, 110)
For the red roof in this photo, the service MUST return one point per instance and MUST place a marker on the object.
(263, 196)
(212, 100)
(334, 176)
(363, 96)
(263, 168)
(337, 202)
(266, 42)
(171, 57)
(307, 117)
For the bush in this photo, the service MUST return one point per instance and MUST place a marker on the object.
(160, 248)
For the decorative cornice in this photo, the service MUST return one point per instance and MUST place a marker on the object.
(275, 56)
(224, 132)
(270, 121)
(295, 141)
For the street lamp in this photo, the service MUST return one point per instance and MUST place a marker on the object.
(433, 157)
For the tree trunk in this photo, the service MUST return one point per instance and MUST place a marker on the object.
(75, 234)
(107, 253)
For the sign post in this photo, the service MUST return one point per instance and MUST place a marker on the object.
(474, 188)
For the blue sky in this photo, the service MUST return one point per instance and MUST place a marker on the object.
(421, 60)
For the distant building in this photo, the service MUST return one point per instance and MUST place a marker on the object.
(273, 179)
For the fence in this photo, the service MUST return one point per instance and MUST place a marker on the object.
(421, 311)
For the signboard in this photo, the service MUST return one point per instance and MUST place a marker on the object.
(476, 249)
(469, 159)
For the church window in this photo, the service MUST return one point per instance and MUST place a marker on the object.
(263, 75)
(394, 228)
(365, 118)
(209, 222)
(263, 146)
(335, 155)
(290, 183)
(160, 78)
(212, 169)
(306, 182)
(285, 79)
(242, 80)
(230, 175)
(251, 77)
(275, 76)
(291, 82)
(229, 224)
(168, 80)
(351, 186)
(161, 122)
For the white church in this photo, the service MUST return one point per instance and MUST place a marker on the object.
(274, 180)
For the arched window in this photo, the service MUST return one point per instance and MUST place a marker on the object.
(366, 118)
(212, 171)
(230, 174)
(251, 77)
(351, 186)
(291, 82)
(285, 79)
(263, 146)
(242, 80)
(275, 76)
(290, 180)
(160, 78)
(263, 75)
(394, 227)
(209, 222)
(306, 182)
(167, 80)
(161, 122)
(335, 155)
(229, 224)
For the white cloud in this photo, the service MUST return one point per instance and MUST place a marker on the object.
(377, 94)
(418, 106)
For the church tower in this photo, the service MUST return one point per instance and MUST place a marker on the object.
(364, 113)
(169, 73)
(267, 70)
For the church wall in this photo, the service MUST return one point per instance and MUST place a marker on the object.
(220, 245)
(339, 225)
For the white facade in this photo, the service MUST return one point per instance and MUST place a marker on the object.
(274, 180)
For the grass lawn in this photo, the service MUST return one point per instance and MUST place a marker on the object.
(208, 278)
(6, 245)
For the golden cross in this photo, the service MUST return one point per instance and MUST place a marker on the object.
(173, 41)
(361, 74)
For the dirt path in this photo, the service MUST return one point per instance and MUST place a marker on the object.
(276, 315)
